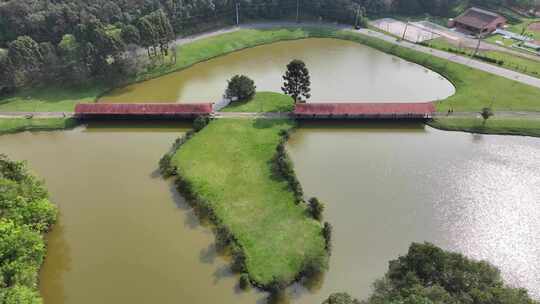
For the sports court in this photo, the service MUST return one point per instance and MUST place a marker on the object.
(414, 33)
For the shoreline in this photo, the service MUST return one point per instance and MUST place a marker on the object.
(256, 252)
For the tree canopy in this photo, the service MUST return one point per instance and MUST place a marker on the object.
(297, 81)
(25, 215)
(428, 274)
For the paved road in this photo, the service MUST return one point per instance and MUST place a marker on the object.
(526, 79)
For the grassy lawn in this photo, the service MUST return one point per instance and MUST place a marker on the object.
(524, 24)
(263, 102)
(228, 164)
(509, 126)
(516, 63)
(494, 38)
(49, 99)
(13, 125)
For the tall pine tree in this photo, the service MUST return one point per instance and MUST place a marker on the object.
(297, 81)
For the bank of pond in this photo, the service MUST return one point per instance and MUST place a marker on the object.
(384, 186)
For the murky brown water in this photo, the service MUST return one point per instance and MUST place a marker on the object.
(340, 71)
(124, 236)
(389, 185)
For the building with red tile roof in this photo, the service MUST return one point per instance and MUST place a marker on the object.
(478, 21)
(364, 110)
(156, 110)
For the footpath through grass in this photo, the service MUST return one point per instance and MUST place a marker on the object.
(263, 102)
(13, 125)
(229, 165)
(504, 126)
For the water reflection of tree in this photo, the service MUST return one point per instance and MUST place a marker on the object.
(57, 263)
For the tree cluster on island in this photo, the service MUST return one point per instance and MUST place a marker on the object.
(428, 274)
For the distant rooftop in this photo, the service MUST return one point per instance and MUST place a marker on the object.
(477, 17)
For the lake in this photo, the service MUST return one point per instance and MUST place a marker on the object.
(340, 71)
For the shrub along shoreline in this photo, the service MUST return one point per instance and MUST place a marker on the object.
(15, 125)
(227, 171)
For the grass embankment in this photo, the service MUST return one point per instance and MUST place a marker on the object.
(49, 99)
(503, 126)
(13, 125)
(228, 165)
(510, 61)
(263, 102)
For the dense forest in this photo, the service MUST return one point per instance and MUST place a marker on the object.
(25, 215)
(74, 41)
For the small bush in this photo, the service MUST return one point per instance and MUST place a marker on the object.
(315, 266)
(165, 167)
(238, 259)
(240, 87)
(327, 234)
(223, 237)
(284, 167)
(244, 282)
(486, 113)
(316, 208)
(200, 123)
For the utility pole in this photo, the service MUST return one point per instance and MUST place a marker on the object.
(477, 45)
(357, 16)
(237, 13)
(297, 11)
(405, 31)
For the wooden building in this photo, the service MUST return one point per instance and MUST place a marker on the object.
(142, 110)
(478, 21)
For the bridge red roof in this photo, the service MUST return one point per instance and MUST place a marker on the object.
(143, 109)
(364, 109)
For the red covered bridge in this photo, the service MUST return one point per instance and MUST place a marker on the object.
(140, 110)
(364, 110)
